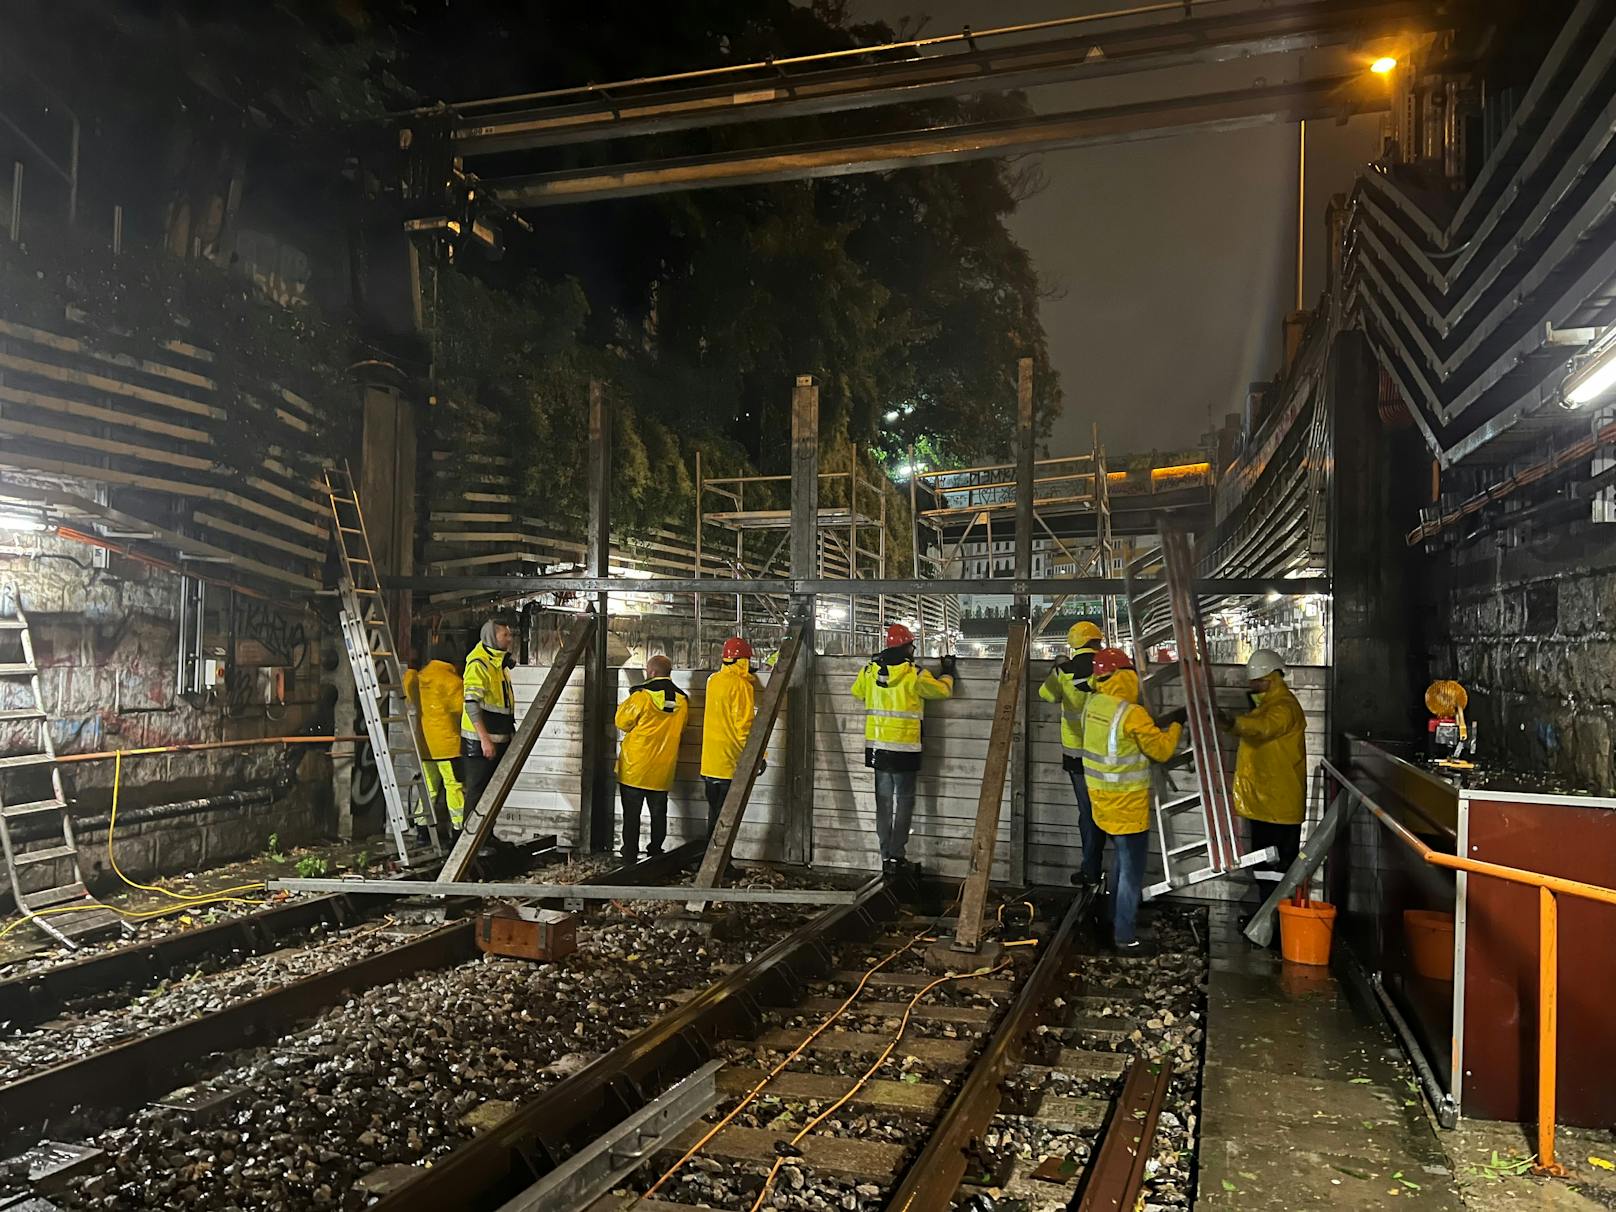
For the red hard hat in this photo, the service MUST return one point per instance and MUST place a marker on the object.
(898, 635)
(735, 648)
(1108, 660)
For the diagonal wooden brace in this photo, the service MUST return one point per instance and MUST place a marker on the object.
(480, 816)
(747, 768)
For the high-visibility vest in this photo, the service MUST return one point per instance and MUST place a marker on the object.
(487, 682)
(1072, 694)
(1114, 767)
(652, 720)
(893, 696)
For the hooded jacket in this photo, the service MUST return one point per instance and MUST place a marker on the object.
(1070, 683)
(726, 720)
(1270, 768)
(1120, 740)
(652, 719)
(894, 691)
(486, 684)
(438, 696)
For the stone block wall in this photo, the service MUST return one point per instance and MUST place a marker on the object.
(1537, 652)
(106, 645)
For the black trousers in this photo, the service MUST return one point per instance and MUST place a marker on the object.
(1287, 839)
(633, 799)
(476, 770)
(717, 789)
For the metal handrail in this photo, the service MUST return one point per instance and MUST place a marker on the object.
(1549, 887)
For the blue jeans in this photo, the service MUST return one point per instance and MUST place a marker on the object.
(1133, 849)
(894, 809)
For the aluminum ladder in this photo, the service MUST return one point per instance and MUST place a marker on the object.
(1192, 809)
(367, 636)
(31, 788)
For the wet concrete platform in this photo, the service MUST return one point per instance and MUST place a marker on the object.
(1306, 1103)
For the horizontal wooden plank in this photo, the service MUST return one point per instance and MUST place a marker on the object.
(63, 406)
(56, 435)
(920, 1099)
(106, 383)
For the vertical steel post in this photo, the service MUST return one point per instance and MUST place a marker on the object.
(914, 550)
(1548, 1014)
(881, 565)
(696, 597)
(1021, 751)
(117, 230)
(598, 689)
(852, 543)
(16, 201)
(799, 834)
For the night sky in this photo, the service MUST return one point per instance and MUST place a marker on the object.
(1174, 259)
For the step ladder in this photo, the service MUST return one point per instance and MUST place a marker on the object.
(31, 790)
(367, 636)
(1193, 811)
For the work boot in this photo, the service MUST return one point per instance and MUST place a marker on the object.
(1082, 879)
(423, 836)
(654, 852)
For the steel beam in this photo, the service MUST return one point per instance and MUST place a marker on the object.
(480, 817)
(598, 737)
(799, 757)
(1020, 752)
(580, 892)
(1095, 55)
(1238, 109)
(1008, 586)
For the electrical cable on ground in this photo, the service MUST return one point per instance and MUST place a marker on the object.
(188, 900)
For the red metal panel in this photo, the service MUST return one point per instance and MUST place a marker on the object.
(1501, 963)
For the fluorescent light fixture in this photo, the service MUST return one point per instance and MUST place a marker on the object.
(1593, 379)
(22, 521)
(1383, 65)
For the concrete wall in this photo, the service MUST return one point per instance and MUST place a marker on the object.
(548, 799)
(105, 644)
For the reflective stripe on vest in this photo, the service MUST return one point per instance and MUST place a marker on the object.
(893, 713)
(1123, 766)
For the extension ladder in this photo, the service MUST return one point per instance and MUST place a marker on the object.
(1195, 825)
(31, 789)
(367, 636)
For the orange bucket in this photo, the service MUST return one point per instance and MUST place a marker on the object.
(1305, 932)
(1430, 942)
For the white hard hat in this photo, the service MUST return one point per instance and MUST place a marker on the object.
(1262, 663)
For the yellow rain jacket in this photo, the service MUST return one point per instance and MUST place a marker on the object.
(1069, 685)
(487, 682)
(1120, 740)
(651, 720)
(438, 696)
(1270, 769)
(894, 692)
(727, 720)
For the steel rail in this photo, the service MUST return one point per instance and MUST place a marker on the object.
(1235, 109)
(497, 1164)
(35, 997)
(140, 1069)
(1155, 45)
(933, 1178)
(1117, 1172)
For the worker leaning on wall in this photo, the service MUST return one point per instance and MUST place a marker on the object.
(1070, 682)
(894, 691)
(651, 719)
(488, 709)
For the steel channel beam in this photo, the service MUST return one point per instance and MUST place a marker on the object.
(26, 1001)
(892, 587)
(582, 892)
(1236, 109)
(1095, 55)
(933, 1178)
(141, 1069)
(498, 1164)
(1117, 1170)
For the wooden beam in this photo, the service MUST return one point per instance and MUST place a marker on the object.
(108, 416)
(95, 382)
(804, 532)
(747, 769)
(973, 903)
(480, 816)
(599, 733)
(1020, 766)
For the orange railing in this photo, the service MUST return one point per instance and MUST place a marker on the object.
(1549, 887)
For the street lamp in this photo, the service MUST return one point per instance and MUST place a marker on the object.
(1383, 65)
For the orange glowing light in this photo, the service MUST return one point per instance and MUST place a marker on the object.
(1383, 65)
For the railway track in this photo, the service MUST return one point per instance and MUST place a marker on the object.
(1032, 1086)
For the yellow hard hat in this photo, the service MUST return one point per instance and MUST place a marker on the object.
(1084, 633)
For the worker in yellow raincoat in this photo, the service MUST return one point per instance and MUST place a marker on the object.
(1120, 740)
(726, 722)
(651, 719)
(1270, 767)
(436, 691)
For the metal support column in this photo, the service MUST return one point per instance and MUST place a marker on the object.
(1021, 750)
(696, 597)
(799, 836)
(598, 740)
